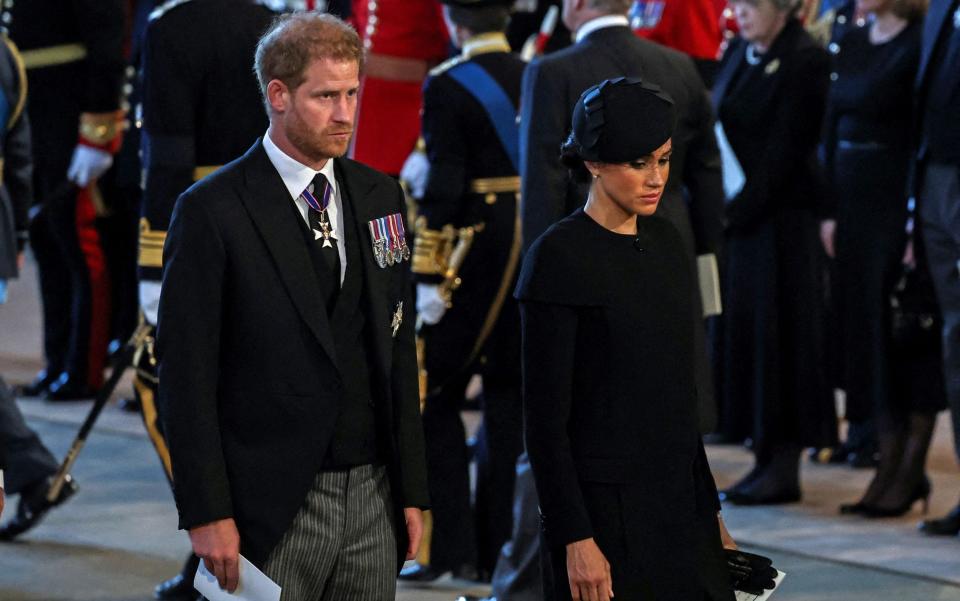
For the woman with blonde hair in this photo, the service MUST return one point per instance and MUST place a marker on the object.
(770, 97)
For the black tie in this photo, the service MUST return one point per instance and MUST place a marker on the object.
(319, 220)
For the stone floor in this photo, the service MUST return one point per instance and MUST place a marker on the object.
(117, 537)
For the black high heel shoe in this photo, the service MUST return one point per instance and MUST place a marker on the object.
(921, 492)
(858, 508)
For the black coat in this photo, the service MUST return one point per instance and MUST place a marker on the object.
(249, 381)
(16, 194)
(693, 199)
(610, 405)
(937, 91)
(771, 374)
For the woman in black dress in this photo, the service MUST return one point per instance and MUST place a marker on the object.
(770, 97)
(627, 500)
(867, 156)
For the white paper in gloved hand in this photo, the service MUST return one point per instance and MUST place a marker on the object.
(88, 164)
(414, 172)
(430, 305)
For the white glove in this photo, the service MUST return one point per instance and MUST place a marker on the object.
(414, 172)
(88, 164)
(149, 300)
(429, 304)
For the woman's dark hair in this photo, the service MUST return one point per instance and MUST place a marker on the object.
(570, 157)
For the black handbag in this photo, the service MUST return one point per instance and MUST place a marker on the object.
(915, 321)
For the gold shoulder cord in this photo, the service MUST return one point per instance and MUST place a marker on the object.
(22, 77)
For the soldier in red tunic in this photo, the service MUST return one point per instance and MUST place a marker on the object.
(404, 39)
(690, 26)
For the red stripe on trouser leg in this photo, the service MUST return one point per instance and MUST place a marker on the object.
(90, 246)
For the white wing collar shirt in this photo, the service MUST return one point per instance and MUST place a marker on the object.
(601, 23)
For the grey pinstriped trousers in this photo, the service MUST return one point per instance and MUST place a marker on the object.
(341, 545)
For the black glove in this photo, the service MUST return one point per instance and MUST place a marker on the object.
(750, 573)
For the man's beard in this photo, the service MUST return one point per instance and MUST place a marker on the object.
(317, 146)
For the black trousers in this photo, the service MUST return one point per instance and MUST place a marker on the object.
(940, 223)
(74, 283)
(28, 461)
(457, 538)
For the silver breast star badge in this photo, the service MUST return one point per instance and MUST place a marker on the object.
(397, 319)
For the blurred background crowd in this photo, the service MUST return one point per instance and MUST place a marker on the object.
(816, 181)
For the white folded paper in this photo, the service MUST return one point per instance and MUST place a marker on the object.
(254, 585)
(733, 177)
(742, 596)
(708, 276)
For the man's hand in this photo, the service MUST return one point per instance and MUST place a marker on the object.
(588, 572)
(414, 519)
(828, 229)
(725, 538)
(218, 544)
(430, 305)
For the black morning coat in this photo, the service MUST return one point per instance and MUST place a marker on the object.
(610, 403)
(249, 383)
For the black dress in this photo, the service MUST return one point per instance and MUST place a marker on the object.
(867, 152)
(610, 408)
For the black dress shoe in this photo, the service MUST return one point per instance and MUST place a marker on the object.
(39, 385)
(420, 573)
(178, 588)
(69, 388)
(858, 508)
(948, 525)
(130, 405)
(749, 497)
(33, 506)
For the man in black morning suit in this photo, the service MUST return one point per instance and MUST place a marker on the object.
(288, 378)
(936, 189)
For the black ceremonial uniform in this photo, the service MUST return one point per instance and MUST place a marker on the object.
(201, 108)
(201, 105)
(16, 166)
(74, 62)
(473, 183)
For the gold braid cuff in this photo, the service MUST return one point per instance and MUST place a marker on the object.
(432, 248)
(151, 245)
